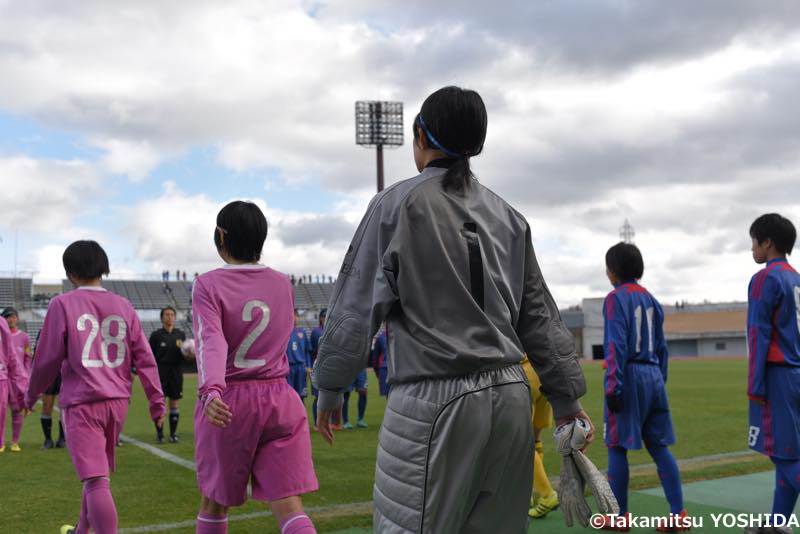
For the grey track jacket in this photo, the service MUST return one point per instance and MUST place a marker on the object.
(455, 276)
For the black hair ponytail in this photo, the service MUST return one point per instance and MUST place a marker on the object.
(454, 121)
(245, 229)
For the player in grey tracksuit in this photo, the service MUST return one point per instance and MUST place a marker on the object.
(450, 266)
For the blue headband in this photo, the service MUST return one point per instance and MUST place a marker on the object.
(436, 143)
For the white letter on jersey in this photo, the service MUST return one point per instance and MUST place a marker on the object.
(797, 305)
(87, 347)
(117, 341)
(107, 340)
(752, 436)
(637, 313)
(247, 316)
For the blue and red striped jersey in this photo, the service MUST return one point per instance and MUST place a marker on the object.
(773, 322)
(380, 351)
(299, 349)
(316, 335)
(634, 332)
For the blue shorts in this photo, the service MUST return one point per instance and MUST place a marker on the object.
(297, 378)
(360, 383)
(775, 427)
(644, 416)
(383, 384)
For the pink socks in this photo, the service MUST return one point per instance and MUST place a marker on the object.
(16, 426)
(83, 522)
(209, 524)
(297, 523)
(97, 508)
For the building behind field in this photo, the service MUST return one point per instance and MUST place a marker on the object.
(692, 330)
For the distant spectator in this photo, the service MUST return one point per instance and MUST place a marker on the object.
(184, 276)
(292, 279)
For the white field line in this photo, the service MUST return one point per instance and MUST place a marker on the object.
(164, 527)
(155, 451)
(685, 462)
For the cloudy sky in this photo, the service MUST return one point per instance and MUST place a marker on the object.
(133, 122)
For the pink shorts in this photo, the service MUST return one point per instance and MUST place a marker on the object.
(92, 431)
(267, 441)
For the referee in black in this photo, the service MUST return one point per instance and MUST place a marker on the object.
(166, 345)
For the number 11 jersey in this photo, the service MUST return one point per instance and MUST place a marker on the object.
(243, 316)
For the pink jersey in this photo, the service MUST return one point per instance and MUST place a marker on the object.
(243, 317)
(22, 350)
(9, 367)
(93, 336)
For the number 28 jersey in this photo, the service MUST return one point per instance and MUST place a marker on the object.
(243, 316)
(93, 336)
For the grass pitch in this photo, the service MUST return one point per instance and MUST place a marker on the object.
(41, 492)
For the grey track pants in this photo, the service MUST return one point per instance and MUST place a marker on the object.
(455, 456)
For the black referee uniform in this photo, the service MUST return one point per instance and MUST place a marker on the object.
(166, 347)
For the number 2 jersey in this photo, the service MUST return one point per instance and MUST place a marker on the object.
(634, 333)
(773, 323)
(243, 316)
(93, 336)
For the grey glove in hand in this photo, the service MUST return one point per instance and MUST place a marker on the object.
(563, 436)
(606, 502)
(571, 498)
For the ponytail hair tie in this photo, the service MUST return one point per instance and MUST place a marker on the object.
(437, 144)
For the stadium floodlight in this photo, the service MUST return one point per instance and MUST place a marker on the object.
(379, 124)
(626, 232)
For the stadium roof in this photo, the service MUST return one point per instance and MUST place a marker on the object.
(705, 324)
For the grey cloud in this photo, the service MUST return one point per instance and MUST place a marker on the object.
(751, 137)
(603, 36)
(324, 229)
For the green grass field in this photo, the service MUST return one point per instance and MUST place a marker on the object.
(40, 490)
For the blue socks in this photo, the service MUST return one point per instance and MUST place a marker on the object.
(346, 408)
(787, 484)
(670, 477)
(314, 410)
(618, 476)
(362, 405)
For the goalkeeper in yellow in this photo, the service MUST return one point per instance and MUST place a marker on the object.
(544, 499)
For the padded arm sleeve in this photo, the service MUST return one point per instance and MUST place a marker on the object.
(548, 343)
(365, 291)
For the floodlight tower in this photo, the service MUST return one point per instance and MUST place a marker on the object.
(626, 232)
(379, 124)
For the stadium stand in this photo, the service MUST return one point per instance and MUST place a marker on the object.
(32, 327)
(17, 292)
(155, 295)
(147, 294)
